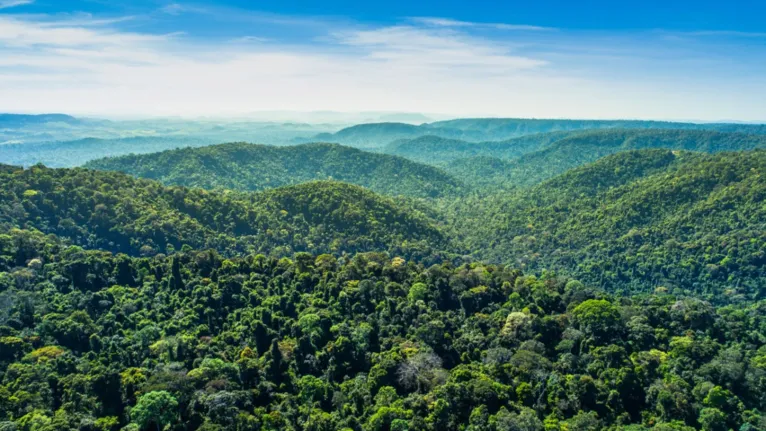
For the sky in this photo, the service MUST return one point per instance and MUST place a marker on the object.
(668, 60)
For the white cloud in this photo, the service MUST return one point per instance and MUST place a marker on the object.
(411, 47)
(447, 22)
(178, 8)
(17, 32)
(5, 4)
(88, 66)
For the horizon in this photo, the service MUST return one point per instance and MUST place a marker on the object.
(293, 117)
(165, 59)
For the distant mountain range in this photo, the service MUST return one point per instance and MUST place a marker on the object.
(378, 135)
(21, 120)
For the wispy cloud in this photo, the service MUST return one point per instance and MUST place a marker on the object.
(173, 9)
(726, 33)
(446, 22)
(5, 4)
(19, 32)
(179, 8)
(411, 47)
(93, 65)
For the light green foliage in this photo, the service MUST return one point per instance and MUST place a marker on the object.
(155, 408)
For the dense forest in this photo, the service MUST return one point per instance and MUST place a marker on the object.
(435, 150)
(95, 341)
(586, 147)
(467, 275)
(534, 158)
(113, 211)
(247, 167)
(637, 220)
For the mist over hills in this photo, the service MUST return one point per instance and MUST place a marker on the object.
(498, 129)
(21, 120)
(78, 152)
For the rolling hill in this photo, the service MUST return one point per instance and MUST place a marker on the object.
(482, 173)
(116, 212)
(503, 128)
(248, 167)
(378, 135)
(439, 151)
(576, 149)
(636, 220)
(586, 147)
(12, 121)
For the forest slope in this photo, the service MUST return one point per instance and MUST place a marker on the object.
(437, 151)
(586, 147)
(116, 212)
(637, 220)
(248, 167)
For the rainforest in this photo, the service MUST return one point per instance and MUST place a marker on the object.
(473, 275)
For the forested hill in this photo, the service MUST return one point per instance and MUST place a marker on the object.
(498, 129)
(436, 150)
(249, 167)
(371, 135)
(116, 212)
(13, 121)
(503, 128)
(637, 220)
(585, 147)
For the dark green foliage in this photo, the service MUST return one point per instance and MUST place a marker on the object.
(314, 342)
(531, 159)
(438, 151)
(116, 212)
(637, 220)
(587, 147)
(249, 167)
(483, 173)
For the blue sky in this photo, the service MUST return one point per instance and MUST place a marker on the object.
(678, 60)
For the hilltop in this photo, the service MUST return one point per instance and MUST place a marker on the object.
(439, 151)
(116, 212)
(249, 167)
(377, 135)
(586, 147)
(545, 156)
